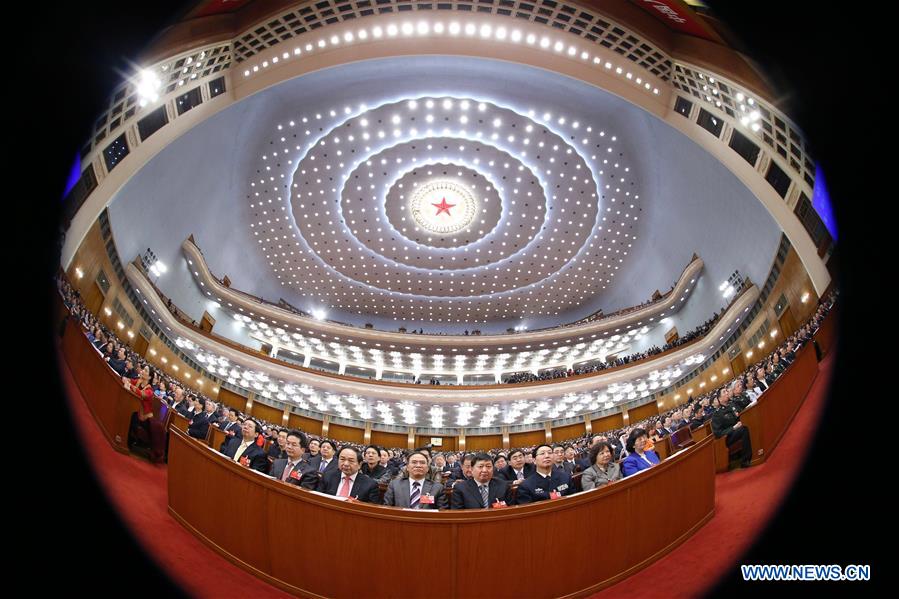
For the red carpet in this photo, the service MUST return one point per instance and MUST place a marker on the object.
(138, 489)
(746, 499)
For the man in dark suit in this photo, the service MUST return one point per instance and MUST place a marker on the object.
(481, 490)
(325, 461)
(199, 423)
(277, 450)
(569, 463)
(312, 451)
(415, 491)
(347, 481)
(726, 423)
(292, 468)
(463, 471)
(548, 482)
(179, 403)
(392, 471)
(231, 428)
(245, 450)
(517, 470)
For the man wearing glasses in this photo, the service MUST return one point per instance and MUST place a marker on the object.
(291, 468)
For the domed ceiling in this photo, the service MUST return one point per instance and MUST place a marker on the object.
(468, 192)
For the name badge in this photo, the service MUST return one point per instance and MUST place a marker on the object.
(498, 505)
(295, 475)
(427, 499)
(244, 461)
(555, 495)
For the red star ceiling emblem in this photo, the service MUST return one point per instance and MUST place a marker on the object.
(443, 207)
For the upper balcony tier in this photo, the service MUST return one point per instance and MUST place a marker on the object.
(251, 309)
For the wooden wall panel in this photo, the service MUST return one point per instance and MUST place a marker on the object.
(307, 425)
(607, 423)
(483, 442)
(346, 433)
(232, 399)
(527, 439)
(389, 440)
(450, 442)
(639, 413)
(564, 433)
(267, 413)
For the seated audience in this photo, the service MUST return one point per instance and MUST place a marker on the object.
(324, 461)
(199, 422)
(347, 481)
(481, 490)
(603, 471)
(726, 423)
(371, 465)
(412, 490)
(277, 451)
(313, 448)
(637, 459)
(463, 472)
(392, 470)
(548, 482)
(245, 450)
(291, 468)
(517, 470)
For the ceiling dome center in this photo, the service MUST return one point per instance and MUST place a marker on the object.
(443, 206)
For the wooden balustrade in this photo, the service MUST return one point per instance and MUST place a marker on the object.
(270, 526)
(769, 418)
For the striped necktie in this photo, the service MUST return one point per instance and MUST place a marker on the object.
(287, 469)
(416, 495)
(483, 489)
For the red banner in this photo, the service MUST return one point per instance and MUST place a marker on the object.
(677, 16)
(216, 7)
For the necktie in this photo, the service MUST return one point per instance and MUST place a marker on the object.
(322, 466)
(345, 487)
(519, 475)
(483, 489)
(240, 450)
(416, 495)
(287, 470)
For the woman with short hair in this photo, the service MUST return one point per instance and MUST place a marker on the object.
(602, 470)
(638, 458)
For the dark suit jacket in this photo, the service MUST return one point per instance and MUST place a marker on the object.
(230, 427)
(254, 453)
(275, 452)
(508, 473)
(456, 473)
(398, 494)
(300, 468)
(199, 425)
(374, 474)
(466, 495)
(181, 408)
(723, 420)
(538, 488)
(315, 462)
(364, 488)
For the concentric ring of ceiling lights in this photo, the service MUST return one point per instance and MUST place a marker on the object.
(535, 186)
